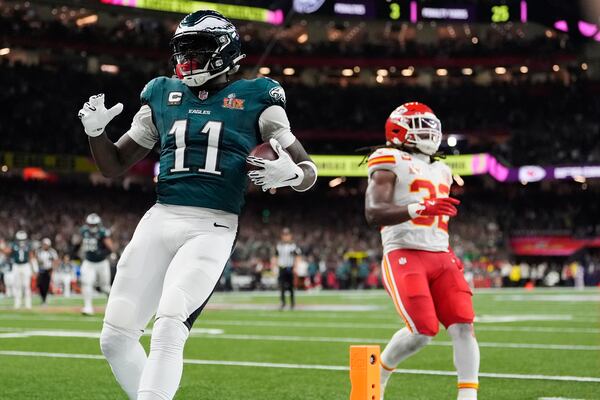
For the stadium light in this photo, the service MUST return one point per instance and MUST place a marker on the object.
(289, 71)
(347, 72)
(555, 68)
(337, 181)
(4, 51)
(500, 70)
(382, 72)
(524, 69)
(302, 38)
(379, 79)
(264, 70)
(474, 40)
(109, 68)
(407, 71)
(579, 179)
(467, 71)
(4, 168)
(441, 72)
(356, 69)
(452, 141)
(584, 66)
(90, 19)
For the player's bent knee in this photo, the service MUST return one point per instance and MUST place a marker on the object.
(417, 341)
(115, 340)
(169, 336)
(461, 331)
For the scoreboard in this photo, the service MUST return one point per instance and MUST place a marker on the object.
(486, 11)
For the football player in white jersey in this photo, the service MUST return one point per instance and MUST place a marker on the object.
(408, 197)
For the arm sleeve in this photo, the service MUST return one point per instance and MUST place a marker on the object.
(382, 159)
(142, 130)
(273, 123)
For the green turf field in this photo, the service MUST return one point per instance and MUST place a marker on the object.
(534, 345)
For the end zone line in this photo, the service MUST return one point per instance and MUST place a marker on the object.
(312, 366)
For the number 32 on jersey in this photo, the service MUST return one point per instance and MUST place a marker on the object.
(425, 185)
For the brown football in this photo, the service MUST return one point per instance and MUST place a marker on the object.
(263, 150)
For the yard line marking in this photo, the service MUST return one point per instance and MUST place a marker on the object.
(341, 325)
(313, 367)
(546, 297)
(219, 334)
(280, 338)
(556, 398)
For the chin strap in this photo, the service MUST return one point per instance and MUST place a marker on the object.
(311, 165)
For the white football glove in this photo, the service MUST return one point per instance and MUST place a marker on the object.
(94, 116)
(277, 173)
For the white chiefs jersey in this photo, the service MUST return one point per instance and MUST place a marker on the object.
(417, 179)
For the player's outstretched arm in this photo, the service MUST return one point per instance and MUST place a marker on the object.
(112, 159)
(380, 209)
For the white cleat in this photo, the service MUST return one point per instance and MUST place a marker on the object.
(87, 311)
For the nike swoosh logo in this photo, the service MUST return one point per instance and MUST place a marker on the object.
(220, 226)
(292, 178)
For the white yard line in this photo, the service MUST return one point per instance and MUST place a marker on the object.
(479, 326)
(219, 334)
(312, 367)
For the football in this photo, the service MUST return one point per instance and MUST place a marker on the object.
(263, 150)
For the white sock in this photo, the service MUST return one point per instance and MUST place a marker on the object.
(402, 345)
(466, 360)
(88, 293)
(126, 356)
(163, 370)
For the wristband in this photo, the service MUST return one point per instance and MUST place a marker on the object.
(314, 168)
(414, 208)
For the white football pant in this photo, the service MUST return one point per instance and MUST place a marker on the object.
(21, 275)
(92, 272)
(170, 268)
(63, 279)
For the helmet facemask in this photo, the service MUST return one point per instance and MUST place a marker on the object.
(198, 57)
(423, 131)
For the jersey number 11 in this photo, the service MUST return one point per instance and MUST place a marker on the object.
(213, 129)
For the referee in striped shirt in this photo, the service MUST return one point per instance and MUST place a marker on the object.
(287, 255)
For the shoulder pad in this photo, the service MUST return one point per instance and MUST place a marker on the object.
(147, 91)
(273, 94)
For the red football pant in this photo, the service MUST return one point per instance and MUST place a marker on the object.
(427, 288)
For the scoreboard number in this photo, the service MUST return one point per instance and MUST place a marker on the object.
(500, 13)
(394, 11)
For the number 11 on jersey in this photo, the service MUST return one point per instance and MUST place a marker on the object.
(213, 129)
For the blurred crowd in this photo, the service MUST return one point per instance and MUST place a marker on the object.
(545, 123)
(339, 250)
(150, 36)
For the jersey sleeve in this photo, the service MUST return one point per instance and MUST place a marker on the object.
(143, 131)
(273, 94)
(382, 159)
(273, 123)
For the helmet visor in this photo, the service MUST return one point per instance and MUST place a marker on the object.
(193, 51)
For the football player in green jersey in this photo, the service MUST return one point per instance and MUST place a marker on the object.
(95, 248)
(205, 126)
(23, 264)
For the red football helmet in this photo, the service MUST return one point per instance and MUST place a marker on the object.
(414, 124)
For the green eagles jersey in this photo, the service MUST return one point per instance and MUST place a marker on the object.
(20, 253)
(92, 243)
(204, 140)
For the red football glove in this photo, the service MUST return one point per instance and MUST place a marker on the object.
(434, 207)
